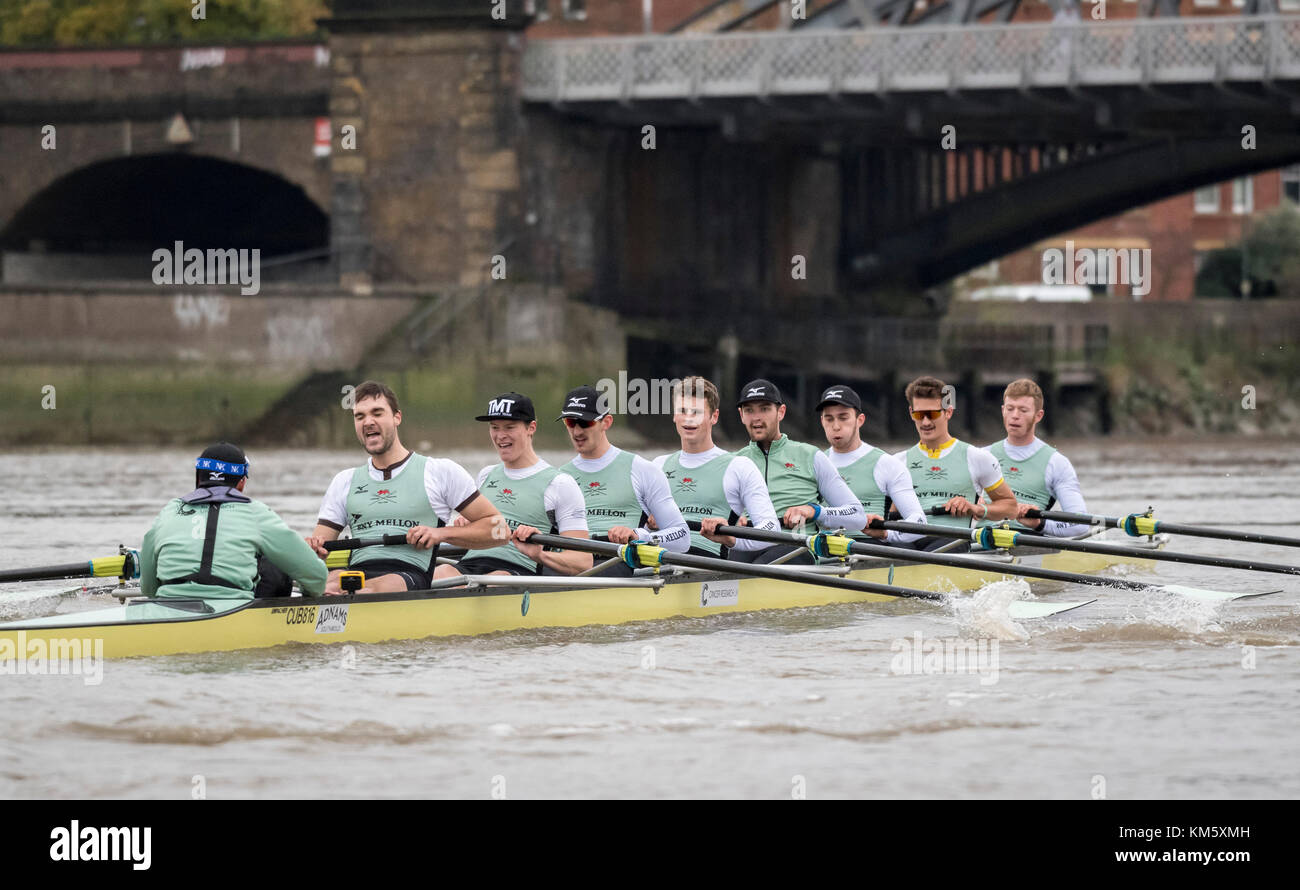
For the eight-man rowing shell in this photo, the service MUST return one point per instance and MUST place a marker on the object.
(492, 604)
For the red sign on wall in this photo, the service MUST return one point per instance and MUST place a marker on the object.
(322, 147)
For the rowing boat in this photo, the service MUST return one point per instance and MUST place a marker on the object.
(502, 603)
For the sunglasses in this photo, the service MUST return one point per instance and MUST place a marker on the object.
(932, 414)
(572, 422)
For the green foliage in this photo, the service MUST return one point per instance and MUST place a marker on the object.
(1272, 260)
(108, 22)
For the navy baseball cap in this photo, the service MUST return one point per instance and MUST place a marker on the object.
(582, 403)
(840, 395)
(510, 406)
(759, 391)
(221, 464)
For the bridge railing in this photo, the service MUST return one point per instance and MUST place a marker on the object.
(878, 60)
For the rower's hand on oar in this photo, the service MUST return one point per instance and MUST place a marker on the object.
(422, 537)
(959, 506)
(709, 528)
(1022, 516)
(520, 540)
(621, 534)
(317, 543)
(875, 532)
(797, 516)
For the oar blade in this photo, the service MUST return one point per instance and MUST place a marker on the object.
(1023, 609)
(1213, 596)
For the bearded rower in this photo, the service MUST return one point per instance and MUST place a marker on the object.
(948, 472)
(530, 493)
(1040, 476)
(216, 542)
(710, 484)
(621, 489)
(879, 480)
(800, 479)
(399, 492)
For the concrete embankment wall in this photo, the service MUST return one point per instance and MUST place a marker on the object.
(137, 366)
(1218, 366)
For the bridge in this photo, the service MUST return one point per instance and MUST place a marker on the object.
(1052, 125)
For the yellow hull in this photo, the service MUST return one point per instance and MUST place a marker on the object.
(381, 617)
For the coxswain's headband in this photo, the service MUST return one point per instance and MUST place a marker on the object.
(223, 467)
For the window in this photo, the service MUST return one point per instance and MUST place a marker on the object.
(1243, 195)
(540, 9)
(575, 9)
(1205, 3)
(1291, 183)
(1207, 199)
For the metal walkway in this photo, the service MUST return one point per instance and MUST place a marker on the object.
(952, 58)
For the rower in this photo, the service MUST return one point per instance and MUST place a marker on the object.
(949, 472)
(621, 489)
(801, 481)
(397, 491)
(1040, 476)
(530, 493)
(708, 483)
(879, 480)
(218, 543)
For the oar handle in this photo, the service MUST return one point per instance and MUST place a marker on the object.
(905, 554)
(690, 560)
(355, 543)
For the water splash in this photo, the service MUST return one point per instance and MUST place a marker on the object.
(986, 613)
(1162, 609)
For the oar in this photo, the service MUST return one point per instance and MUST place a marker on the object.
(125, 565)
(994, 538)
(341, 548)
(642, 555)
(1139, 524)
(840, 545)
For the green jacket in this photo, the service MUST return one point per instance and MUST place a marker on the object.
(184, 535)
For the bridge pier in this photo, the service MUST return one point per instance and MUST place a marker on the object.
(431, 92)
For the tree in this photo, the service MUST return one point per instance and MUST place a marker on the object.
(100, 22)
(1272, 260)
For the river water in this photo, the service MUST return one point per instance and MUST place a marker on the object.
(1139, 695)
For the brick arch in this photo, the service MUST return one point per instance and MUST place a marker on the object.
(126, 203)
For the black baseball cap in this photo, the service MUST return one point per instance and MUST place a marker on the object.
(510, 406)
(759, 391)
(582, 403)
(840, 395)
(220, 464)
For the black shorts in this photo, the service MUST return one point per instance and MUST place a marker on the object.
(776, 551)
(414, 578)
(485, 565)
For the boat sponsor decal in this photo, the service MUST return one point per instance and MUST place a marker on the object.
(720, 593)
(297, 614)
(332, 619)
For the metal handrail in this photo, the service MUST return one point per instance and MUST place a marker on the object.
(920, 58)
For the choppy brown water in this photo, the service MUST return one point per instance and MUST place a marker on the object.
(1141, 691)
